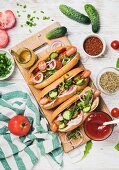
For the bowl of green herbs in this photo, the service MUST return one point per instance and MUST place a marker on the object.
(6, 64)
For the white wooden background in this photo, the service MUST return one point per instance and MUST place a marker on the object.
(103, 156)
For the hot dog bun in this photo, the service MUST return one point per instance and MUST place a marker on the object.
(68, 103)
(57, 74)
(60, 100)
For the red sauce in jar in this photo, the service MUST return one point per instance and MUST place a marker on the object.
(93, 46)
(94, 127)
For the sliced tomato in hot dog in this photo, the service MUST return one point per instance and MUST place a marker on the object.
(4, 38)
(58, 64)
(42, 65)
(7, 19)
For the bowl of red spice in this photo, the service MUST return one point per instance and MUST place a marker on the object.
(94, 46)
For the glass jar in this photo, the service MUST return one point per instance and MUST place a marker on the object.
(26, 57)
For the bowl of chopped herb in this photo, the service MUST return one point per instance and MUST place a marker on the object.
(6, 64)
(108, 80)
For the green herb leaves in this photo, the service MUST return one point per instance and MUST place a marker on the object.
(117, 63)
(87, 149)
(5, 65)
(31, 20)
(117, 147)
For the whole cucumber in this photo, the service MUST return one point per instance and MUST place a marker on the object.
(56, 33)
(94, 17)
(73, 14)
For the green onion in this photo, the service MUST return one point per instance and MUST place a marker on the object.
(46, 18)
(5, 65)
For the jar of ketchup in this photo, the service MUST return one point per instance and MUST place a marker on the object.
(94, 128)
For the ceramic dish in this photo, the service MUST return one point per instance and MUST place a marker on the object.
(108, 69)
(103, 48)
(13, 64)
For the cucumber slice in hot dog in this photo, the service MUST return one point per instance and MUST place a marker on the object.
(62, 125)
(53, 55)
(86, 109)
(53, 94)
(80, 82)
(67, 115)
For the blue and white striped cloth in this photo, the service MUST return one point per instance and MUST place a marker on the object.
(22, 153)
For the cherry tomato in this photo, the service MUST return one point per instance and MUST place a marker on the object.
(19, 125)
(54, 127)
(58, 64)
(115, 44)
(42, 65)
(115, 112)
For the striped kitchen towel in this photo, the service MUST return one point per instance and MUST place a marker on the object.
(22, 153)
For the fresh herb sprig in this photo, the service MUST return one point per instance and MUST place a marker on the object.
(117, 147)
(88, 147)
(117, 63)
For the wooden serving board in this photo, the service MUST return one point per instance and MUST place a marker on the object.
(35, 42)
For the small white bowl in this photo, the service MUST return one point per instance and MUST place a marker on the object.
(103, 42)
(104, 70)
(13, 64)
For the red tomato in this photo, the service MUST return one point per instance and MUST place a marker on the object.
(115, 44)
(42, 65)
(4, 38)
(58, 64)
(115, 112)
(37, 77)
(7, 20)
(19, 125)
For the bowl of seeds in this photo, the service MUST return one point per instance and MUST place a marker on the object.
(108, 80)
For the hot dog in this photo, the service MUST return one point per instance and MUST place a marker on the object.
(73, 112)
(52, 66)
(64, 88)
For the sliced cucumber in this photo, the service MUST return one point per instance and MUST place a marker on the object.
(67, 115)
(62, 125)
(80, 82)
(86, 109)
(53, 55)
(53, 94)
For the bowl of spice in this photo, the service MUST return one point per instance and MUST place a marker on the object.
(94, 46)
(108, 80)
